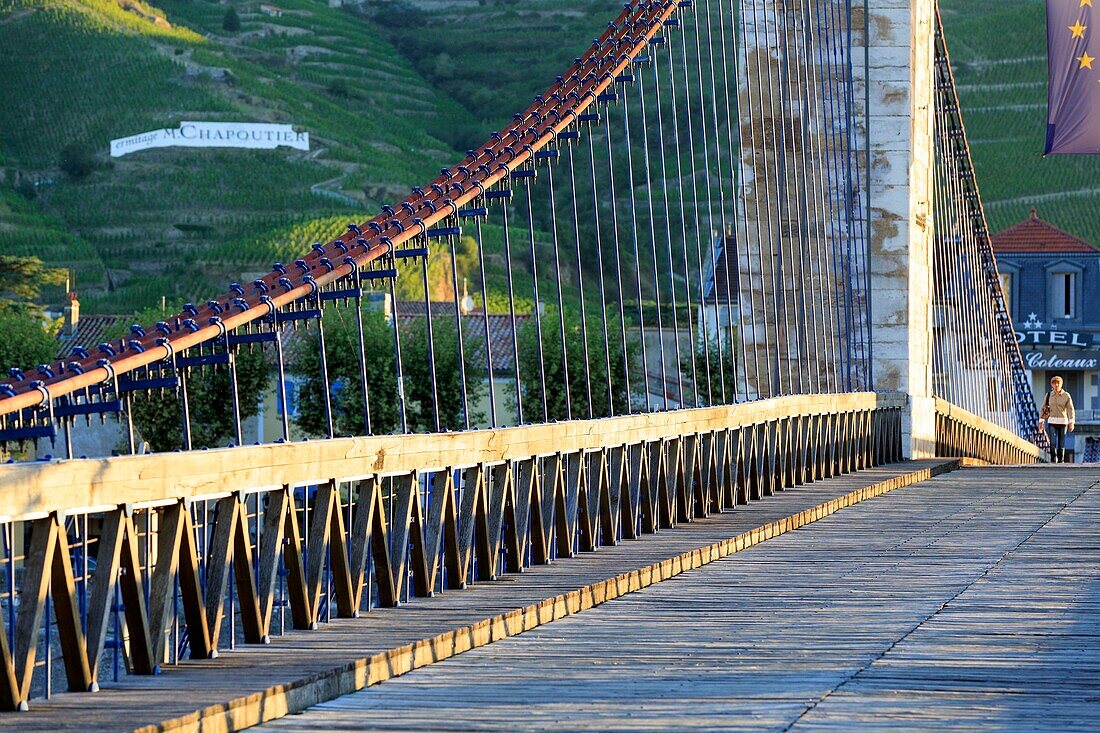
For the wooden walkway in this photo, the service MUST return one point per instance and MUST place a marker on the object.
(303, 668)
(970, 601)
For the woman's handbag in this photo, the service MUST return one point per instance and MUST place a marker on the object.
(1045, 412)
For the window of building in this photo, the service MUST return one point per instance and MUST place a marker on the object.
(1010, 278)
(1007, 277)
(1063, 295)
(292, 399)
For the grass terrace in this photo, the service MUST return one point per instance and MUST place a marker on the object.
(999, 56)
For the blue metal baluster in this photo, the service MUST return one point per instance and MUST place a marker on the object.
(685, 85)
(9, 560)
(560, 289)
(395, 315)
(859, 194)
(746, 294)
(793, 182)
(512, 305)
(364, 382)
(640, 65)
(624, 85)
(322, 354)
(839, 310)
(790, 377)
(773, 242)
(619, 294)
(601, 286)
(668, 226)
(485, 319)
(458, 333)
(707, 233)
(729, 385)
(580, 277)
(810, 202)
(535, 291)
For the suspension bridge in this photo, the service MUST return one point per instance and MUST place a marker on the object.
(762, 291)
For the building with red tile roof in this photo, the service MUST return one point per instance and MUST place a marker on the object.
(1051, 281)
(1036, 236)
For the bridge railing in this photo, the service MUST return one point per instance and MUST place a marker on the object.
(130, 564)
(976, 356)
(962, 434)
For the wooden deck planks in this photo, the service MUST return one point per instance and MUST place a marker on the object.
(300, 656)
(971, 601)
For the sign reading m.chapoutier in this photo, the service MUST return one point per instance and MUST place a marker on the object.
(255, 135)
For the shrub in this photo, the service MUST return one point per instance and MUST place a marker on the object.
(231, 23)
(77, 160)
(26, 189)
(26, 342)
(339, 88)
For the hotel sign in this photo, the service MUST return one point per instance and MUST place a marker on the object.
(257, 136)
(1078, 339)
(1049, 360)
(1067, 354)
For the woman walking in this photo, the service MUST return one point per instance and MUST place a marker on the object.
(1058, 414)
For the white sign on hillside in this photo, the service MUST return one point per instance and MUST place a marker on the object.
(214, 135)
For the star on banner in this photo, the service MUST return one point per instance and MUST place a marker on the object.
(1073, 109)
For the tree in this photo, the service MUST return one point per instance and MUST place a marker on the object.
(448, 376)
(445, 66)
(158, 415)
(21, 282)
(581, 382)
(26, 189)
(342, 355)
(723, 370)
(338, 87)
(77, 160)
(24, 341)
(231, 23)
(410, 279)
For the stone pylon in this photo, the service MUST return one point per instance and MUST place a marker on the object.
(803, 179)
(836, 184)
(900, 113)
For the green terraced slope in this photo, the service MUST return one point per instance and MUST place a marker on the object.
(998, 48)
(87, 71)
(389, 91)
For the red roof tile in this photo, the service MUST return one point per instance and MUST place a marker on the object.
(90, 332)
(1033, 235)
(473, 330)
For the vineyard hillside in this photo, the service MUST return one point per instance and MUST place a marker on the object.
(998, 50)
(75, 74)
(389, 90)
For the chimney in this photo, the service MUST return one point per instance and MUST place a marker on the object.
(72, 315)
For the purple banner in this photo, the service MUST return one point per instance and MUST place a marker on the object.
(1073, 92)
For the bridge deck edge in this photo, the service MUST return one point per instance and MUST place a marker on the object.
(281, 700)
